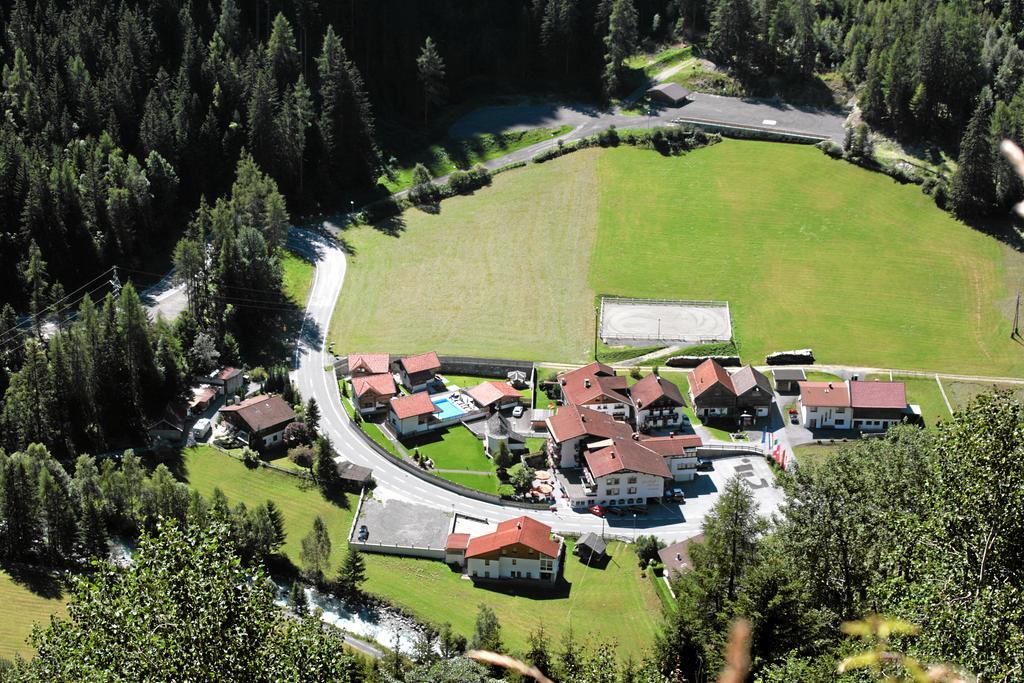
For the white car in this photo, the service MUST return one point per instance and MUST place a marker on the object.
(518, 411)
(201, 429)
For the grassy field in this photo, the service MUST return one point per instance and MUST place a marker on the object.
(813, 454)
(297, 277)
(451, 154)
(809, 251)
(961, 393)
(23, 608)
(432, 591)
(484, 276)
(455, 448)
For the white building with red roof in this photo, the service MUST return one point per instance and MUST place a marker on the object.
(495, 395)
(418, 372)
(597, 387)
(373, 393)
(866, 406)
(622, 472)
(572, 428)
(519, 549)
(657, 403)
(412, 414)
(360, 364)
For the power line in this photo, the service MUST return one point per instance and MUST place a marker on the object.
(14, 332)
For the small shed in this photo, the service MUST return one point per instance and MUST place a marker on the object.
(787, 380)
(669, 93)
(357, 474)
(590, 548)
(455, 549)
(517, 378)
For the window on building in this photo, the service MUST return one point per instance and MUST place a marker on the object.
(631, 489)
(631, 480)
(613, 492)
(513, 560)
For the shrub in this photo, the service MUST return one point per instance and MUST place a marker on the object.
(301, 456)
(297, 433)
(647, 548)
(250, 457)
(635, 373)
(830, 148)
(464, 182)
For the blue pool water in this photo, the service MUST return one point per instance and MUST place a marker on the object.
(448, 409)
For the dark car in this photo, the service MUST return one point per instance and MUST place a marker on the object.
(705, 465)
(364, 533)
(614, 511)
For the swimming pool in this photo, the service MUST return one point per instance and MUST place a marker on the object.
(448, 409)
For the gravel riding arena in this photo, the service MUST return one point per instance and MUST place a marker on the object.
(642, 322)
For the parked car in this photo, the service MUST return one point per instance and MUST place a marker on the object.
(518, 411)
(364, 533)
(676, 494)
(617, 512)
(704, 465)
(794, 416)
(201, 429)
(637, 509)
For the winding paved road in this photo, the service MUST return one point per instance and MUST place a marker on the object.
(314, 376)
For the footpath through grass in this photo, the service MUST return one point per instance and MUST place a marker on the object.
(809, 251)
(432, 591)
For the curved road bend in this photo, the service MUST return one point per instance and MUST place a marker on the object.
(312, 379)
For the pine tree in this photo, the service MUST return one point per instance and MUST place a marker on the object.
(297, 597)
(282, 56)
(59, 516)
(487, 632)
(973, 191)
(1007, 124)
(731, 27)
(538, 653)
(312, 414)
(620, 42)
(316, 551)
(731, 531)
(351, 574)
(20, 510)
(324, 467)
(430, 69)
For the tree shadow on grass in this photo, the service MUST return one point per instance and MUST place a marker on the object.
(392, 226)
(521, 589)
(46, 583)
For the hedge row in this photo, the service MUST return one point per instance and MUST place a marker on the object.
(666, 141)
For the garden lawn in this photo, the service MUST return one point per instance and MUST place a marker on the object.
(809, 251)
(488, 483)
(455, 448)
(594, 594)
(429, 589)
(23, 609)
(501, 273)
(819, 376)
(297, 277)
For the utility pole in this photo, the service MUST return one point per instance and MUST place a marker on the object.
(1016, 318)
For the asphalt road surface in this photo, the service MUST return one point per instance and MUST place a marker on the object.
(731, 111)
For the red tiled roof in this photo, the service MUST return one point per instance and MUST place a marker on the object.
(457, 542)
(381, 385)
(204, 395)
(651, 388)
(491, 392)
(825, 394)
(425, 362)
(591, 382)
(626, 455)
(413, 405)
(374, 363)
(521, 530)
(260, 413)
(708, 374)
(671, 445)
(571, 422)
(228, 373)
(878, 395)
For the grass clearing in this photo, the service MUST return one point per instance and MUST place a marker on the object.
(455, 448)
(463, 153)
(488, 483)
(429, 589)
(819, 376)
(297, 277)
(653, 64)
(961, 393)
(529, 262)
(813, 454)
(24, 608)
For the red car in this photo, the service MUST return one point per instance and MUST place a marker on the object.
(597, 510)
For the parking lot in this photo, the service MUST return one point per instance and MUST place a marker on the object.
(702, 493)
(398, 524)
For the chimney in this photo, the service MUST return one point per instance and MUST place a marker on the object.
(679, 557)
(636, 436)
(519, 525)
(830, 386)
(613, 453)
(586, 382)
